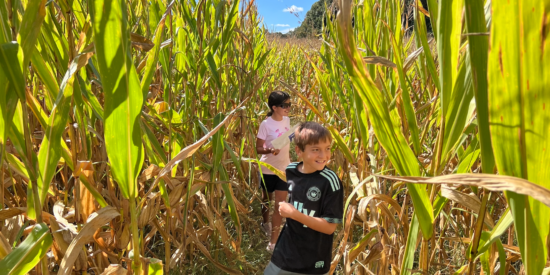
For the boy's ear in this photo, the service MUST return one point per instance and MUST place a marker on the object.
(297, 149)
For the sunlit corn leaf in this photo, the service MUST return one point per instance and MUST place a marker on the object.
(478, 52)
(392, 139)
(123, 97)
(35, 11)
(153, 56)
(497, 231)
(27, 255)
(155, 267)
(518, 116)
(123, 102)
(449, 27)
(50, 148)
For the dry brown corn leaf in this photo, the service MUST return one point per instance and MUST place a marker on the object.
(490, 182)
(378, 60)
(148, 212)
(5, 247)
(95, 221)
(115, 269)
(204, 250)
(374, 253)
(15, 211)
(11, 212)
(149, 173)
(409, 61)
(11, 227)
(364, 202)
(141, 42)
(469, 201)
(122, 237)
(343, 244)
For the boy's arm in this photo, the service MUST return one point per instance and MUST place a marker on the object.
(287, 210)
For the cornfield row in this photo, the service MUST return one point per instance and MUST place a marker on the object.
(127, 128)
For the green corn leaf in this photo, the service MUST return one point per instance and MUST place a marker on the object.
(50, 148)
(150, 136)
(500, 228)
(518, 116)
(155, 267)
(95, 193)
(214, 70)
(42, 118)
(153, 56)
(17, 165)
(405, 95)
(341, 144)
(123, 96)
(433, 7)
(17, 137)
(388, 133)
(448, 43)
(229, 24)
(467, 162)
(27, 255)
(458, 110)
(8, 57)
(478, 51)
(235, 160)
(91, 99)
(501, 257)
(4, 23)
(410, 247)
(35, 11)
(4, 122)
(45, 74)
(58, 43)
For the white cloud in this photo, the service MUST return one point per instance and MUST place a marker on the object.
(282, 25)
(287, 30)
(293, 9)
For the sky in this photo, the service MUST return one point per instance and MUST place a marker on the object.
(277, 16)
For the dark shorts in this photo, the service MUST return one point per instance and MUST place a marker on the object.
(271, 183)
(272, 269)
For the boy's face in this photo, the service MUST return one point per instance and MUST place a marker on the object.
(315, 156)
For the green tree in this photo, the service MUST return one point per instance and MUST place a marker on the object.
(313, 22)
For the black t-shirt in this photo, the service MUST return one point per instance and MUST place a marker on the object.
(301, 249)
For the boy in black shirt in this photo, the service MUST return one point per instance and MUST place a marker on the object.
(314, 210)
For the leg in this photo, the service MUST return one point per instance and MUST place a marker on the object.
(266, 199)
(277, 219)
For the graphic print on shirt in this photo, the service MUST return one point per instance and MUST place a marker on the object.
(299, 206)
(313, 194)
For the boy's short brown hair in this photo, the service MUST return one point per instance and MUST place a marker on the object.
(310, 133)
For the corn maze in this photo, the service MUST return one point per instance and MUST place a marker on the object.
(127, 132)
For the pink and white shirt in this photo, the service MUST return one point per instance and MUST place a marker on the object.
(271, 129)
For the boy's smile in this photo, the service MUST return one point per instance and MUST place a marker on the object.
(315, 156)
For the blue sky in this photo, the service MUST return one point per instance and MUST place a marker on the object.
(277, 16)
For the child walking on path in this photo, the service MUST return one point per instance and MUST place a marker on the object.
(275, 125)
(314, 210)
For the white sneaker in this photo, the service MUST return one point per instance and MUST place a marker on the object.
(266, 228)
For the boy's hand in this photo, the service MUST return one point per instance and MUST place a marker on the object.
(286, 209)
(276, 151)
